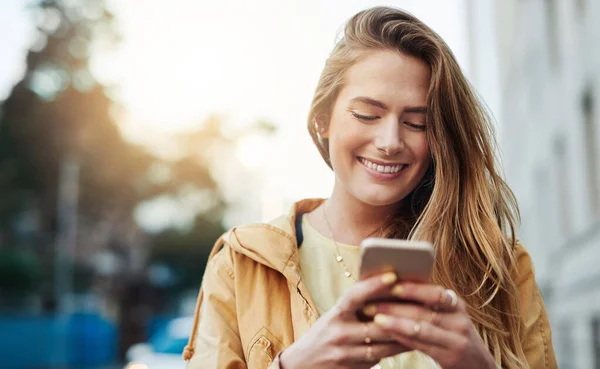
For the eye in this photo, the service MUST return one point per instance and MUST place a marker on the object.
(365, 117)
(418, 127)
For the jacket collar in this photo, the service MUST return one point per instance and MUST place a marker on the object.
(273, 244)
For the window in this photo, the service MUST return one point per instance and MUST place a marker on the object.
(564, 345)
(596, 341)
(564, 197)
(551, 31)
(591, 151)
(581, 6)
(543, 207)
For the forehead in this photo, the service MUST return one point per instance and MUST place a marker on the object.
(388, 76)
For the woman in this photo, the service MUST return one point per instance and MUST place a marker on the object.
(412, 153)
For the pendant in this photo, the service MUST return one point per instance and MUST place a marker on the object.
(339, 258)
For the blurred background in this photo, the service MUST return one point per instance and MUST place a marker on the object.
(133, 133)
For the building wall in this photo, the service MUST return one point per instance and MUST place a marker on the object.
(538, 61)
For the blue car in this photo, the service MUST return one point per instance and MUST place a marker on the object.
(163, 351)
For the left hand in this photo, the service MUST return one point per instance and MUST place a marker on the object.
(440, 327)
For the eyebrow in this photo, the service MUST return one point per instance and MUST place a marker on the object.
(369, 101)
(379, 104)
(416, 109)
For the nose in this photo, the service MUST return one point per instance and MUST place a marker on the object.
(389, 140)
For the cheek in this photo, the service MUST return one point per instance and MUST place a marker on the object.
(420, 148)
(347, 140)
(338, 146)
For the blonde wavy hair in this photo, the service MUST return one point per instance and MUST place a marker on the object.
(462, 204)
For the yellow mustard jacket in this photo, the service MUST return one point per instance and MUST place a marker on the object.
(253, 303)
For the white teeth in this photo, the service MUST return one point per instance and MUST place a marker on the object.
(382, 168)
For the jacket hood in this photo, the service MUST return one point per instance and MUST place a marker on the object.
(272, 244)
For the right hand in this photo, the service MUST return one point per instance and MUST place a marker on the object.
(337, 340)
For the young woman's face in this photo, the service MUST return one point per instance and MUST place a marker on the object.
(377, 137)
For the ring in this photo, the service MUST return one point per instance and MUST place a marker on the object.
(443, 297)
(445, 294)
(367, 338)
(416, 330)
(453, 298)
(369, 356)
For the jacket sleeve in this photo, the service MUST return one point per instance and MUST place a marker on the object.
(536, 337)
(215, 341)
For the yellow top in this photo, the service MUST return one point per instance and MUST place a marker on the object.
(324, 277)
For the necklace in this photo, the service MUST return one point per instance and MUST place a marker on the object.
(338, 256)
(348, 273)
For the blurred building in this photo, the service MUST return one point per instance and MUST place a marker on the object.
(537, 65)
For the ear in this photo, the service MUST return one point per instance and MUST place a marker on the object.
(322, 125)
(324, 131)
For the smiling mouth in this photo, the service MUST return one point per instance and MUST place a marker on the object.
(380, 168)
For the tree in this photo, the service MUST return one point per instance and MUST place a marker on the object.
(59, 112)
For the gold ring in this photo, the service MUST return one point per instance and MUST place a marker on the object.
(369, 356)
(453, 298)
(416, 329)
(367, 338)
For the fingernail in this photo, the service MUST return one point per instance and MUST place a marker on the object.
(389, 278)
(370, 310)
(397, 291)
(382, 320)
(409, 327)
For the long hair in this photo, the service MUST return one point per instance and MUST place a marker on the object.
(462, 205)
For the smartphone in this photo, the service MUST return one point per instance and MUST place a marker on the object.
(410, 260)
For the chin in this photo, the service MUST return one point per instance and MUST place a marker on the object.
(377, 198)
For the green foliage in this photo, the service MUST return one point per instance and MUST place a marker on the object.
(186, 252)
(59, 111)
(20, 272)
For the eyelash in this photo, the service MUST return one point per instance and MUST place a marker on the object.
(419, 127)
(365, 117)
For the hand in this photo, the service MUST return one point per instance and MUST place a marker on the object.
(339, 340)
(439, 326)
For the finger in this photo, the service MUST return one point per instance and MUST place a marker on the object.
(429, 295)
(362, 291)
(418, 331)
(360, 353)
(435, 352)
(418, 313)
(363, 333)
